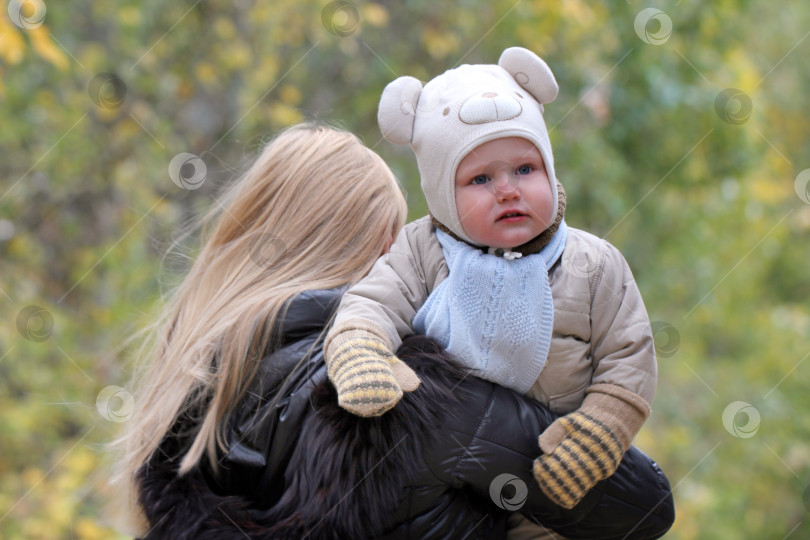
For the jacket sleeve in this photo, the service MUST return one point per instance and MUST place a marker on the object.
(386, 300)
(622, 352)
(622, 345)
(493, 458)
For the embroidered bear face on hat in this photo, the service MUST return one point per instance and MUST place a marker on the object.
(462, 109)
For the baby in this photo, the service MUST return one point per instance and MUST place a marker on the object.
(498, 278)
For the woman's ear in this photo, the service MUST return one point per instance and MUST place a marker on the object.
(397, 110)
(531, 73)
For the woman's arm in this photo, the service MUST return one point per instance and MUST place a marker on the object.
(487, 442)
(431, 467)
(494, 459)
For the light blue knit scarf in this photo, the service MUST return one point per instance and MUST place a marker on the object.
(495, 315)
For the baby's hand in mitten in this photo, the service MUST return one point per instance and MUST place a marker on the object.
(586, 446)
(368, 378)
(586, 453)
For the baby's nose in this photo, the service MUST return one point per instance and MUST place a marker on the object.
(505, 180)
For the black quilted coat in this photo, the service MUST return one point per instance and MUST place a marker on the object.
(449, 461)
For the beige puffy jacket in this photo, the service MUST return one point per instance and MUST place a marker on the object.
(601, 338)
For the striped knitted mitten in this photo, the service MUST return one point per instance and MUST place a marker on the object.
(587, 445)
(368, 378)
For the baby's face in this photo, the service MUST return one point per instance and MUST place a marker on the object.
(503, 195)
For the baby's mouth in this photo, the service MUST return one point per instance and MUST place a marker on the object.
(510, 216)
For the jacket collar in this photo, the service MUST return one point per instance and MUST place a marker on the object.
(307, 312)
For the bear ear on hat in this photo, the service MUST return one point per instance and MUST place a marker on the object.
(397, 110)
(530, 72)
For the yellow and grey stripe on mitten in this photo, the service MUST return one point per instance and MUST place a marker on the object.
(368, 378)
(587, 445)
(587, 455)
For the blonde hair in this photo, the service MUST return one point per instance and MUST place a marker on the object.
(314, 211)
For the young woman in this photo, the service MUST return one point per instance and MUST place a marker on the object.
(237, 431)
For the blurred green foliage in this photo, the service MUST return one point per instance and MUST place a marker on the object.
(701, 188)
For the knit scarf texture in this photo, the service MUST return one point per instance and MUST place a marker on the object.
(493, 314)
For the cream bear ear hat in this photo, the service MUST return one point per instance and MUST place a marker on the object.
(462, 109)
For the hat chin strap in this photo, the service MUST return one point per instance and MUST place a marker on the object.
(532, 246)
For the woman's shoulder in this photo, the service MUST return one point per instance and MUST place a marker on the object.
(300, 330)
(275, 404)
(307, 312)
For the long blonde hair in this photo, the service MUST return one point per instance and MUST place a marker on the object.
(314, 211)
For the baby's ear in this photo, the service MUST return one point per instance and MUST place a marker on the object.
(397, 110)
(530, 72)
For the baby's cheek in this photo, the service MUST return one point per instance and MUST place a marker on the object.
(548, 202)
(465, 205)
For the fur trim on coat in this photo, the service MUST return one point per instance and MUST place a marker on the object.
(345, 476)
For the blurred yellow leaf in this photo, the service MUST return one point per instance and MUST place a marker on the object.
(205, 73)
(45, 98)
(283, 115)
(291, 29)
(12, 44)
(746, 73)
(108, 114)
(47, 49)
(578, 10)
(439, 43)
(93, 55)
(36, 528)
(266, 72)
(290, 94)
(375, 15)
(237, 55)
(769, 191)
(60, 507)
(645, 438)
(224, 29)
(129, 15)
(31, 476)
(81, 461)
(90, 530)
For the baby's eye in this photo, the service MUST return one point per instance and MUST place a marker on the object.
(524, 169)
(480, 179)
